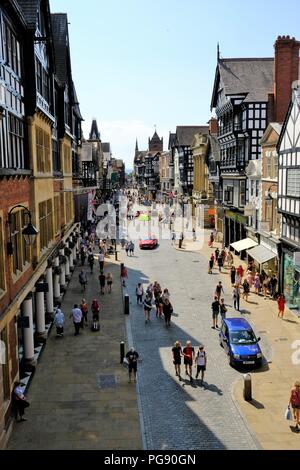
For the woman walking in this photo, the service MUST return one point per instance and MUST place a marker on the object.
(232, 275)
(223, 309)
(84, 309)
(147, 308)
(168, 310)
(109, 281)
(20, 401)
(236, 297)
(246, 291)
(201, 362)
(256, 283)
(281, 305)
(177, 355)
(295, 404)
(95, 311)
(229, 259)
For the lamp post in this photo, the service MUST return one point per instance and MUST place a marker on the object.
(29, 232)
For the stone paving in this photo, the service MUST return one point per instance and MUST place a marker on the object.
(177, 415)
(80, 397)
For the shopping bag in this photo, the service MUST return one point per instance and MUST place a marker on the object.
(288, 414)
(125, 362)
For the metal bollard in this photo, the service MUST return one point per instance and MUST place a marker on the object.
(122, 351)
(126, 304)
(116, 255)
(180, 243)
(247, 387)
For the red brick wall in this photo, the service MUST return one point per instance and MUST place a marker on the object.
(286, 72)
(13, 191)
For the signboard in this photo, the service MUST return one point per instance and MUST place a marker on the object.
(211, 212)
(248, 210)
(86, 152)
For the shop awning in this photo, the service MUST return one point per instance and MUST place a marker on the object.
(245, 244)
(261, 254)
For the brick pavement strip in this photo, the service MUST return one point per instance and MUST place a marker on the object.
(178, 416)
(68, 408)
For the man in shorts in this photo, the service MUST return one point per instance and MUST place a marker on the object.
(132, 357)
(201, 361)
(215, 306)
(189, 356)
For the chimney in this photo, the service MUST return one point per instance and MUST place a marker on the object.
(213, 126)
(286, 72)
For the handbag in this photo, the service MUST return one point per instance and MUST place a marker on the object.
(125, 362)
(288, 414)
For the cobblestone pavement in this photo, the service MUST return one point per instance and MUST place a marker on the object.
(180, 415)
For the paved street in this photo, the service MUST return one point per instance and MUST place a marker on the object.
(177, 415)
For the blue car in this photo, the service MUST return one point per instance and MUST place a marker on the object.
(240, 343)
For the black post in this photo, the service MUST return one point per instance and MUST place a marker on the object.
(122, 351)
(126, 304)
(122, 267)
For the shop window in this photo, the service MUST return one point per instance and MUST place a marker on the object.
(21, 252)
(43, 151)
(293, 182)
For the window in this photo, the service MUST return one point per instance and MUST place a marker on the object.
(16, 141)
(268, 165)
(275, 167)
(43, 151)
(56, 214)
(46, 224)
(228, 195)
(55, 156)
(293, 182)
(12, 49)
(242, 193)
(2, 261)
(67, 160)
(21, 252)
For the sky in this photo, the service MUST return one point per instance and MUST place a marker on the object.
(144, 63)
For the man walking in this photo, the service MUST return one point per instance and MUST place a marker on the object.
(139, 294)
(219, 290)
(173, 238)
(59, 321)
(102, 280)
(215, 306)
(236, 294)
(132, 358)
(83, 280)
(189, 356)
(76, 314)
(201, 362)
(101, 260)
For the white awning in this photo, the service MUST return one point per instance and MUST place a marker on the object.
(261, 254)
(243, 244)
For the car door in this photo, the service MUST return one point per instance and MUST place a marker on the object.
(226, 338)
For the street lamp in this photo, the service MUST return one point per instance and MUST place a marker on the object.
(29, 232)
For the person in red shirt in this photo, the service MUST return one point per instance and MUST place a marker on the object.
(295, 404)
(189, 356)
(281, 305)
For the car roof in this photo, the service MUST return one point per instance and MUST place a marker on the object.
(235, 324)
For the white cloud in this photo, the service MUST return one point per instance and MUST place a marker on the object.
(122, 136)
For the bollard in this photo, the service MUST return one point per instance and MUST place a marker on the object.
(122, 351)
(116, 255)
(122, 267)
(126, 304)
(247, 387)
(180, 243)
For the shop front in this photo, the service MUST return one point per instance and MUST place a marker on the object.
(265, 256)
(235, 227)
(291, 279)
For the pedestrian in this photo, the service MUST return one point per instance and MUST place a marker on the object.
(224, 256)
(83, 280)
(217, 252)
(236, 294)
(91, 262)
(127, 248)
(246, 290)
(139, 292)
(166, 295)
(82, 254)
(219, 290)
(189, 356)
(229, 259)
(256, 283)
(131, 249)
(96, 315)
(173, 237)
(147, 308)
(132, 358)
(220, 262)
(102, 280)
(273, 286)
(211, 240)
(20, 401)
(109, 281)
(232, 275)
(167, 310)
(294, 402)
(194, 234)
(281, 305)
(223, 310)
(210, 265)
(59, 321)
(124, 275)
(149, 290)
(76, 314)
(250, 278)
(266, 283)
(201, 363)
(177, 354)
(84, 310)
(101, 260)
(215, 307)
(240, 270)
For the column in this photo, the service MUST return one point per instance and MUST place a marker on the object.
(41, 334)
(68, 276)
(30, 361)
(62, 279)
(56, 286)
(49, 294)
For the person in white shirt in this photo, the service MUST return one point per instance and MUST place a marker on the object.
(139, 294)
(59, 321)
(20, 400)
(201, 362)
(101, 260)
(76, 314)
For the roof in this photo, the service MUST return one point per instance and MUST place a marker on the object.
(94, 134)
(29, 9)
(105, 147)
(76, 104)
(185, 134)
(237, 324)
(251, 77)
(60, 40)
(272, 126)
(172, 140)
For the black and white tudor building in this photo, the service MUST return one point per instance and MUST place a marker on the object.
(289, 202)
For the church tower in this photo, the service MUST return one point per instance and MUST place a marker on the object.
(94, 134)
(156, 144)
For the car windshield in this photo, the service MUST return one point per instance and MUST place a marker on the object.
(242, 337)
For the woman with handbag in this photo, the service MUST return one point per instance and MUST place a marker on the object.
(294, 403)
(20, 401)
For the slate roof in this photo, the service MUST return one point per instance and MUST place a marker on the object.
(251, 77)
(29, 9)
(76, 104)
(185, 134)
(94, 131)
(172, 140)
(60, 41)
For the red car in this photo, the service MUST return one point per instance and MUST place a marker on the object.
(148, 243)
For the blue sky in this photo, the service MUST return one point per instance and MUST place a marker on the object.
(140, 63)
